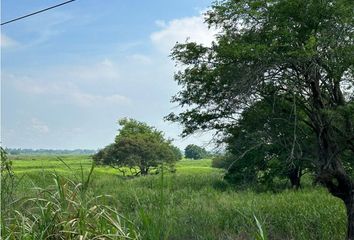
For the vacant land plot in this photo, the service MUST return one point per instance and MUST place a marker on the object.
(193, 203)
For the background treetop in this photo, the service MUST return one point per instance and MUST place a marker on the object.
(195, 152)
(131, 127)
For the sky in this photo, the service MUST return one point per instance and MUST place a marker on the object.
(68, 74)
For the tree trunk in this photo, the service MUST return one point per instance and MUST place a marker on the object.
(295, 177)
(332, 175)
(349, 204)
(330, 171)
(144, 170)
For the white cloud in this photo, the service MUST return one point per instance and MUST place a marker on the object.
(105, 70)
(160, 23)
(39, 87)
(79, 83)
(140, 58)
(87, 100)
(39, 126)
(66, 92)
(179, 30)
(7, 42)
(91, 73)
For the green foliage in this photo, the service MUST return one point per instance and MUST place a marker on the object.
(177, 152)
(197, 202)
(107, 155)
(270, 142)
(66, 210)
(8, 182)
(260, 234)
(301, 51)
(221, 161)
(138, 145)
(263, 43)
(195, 152)
(6, 163)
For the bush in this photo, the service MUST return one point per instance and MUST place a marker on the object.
(220, 161)
(65, 210)
(195, 152)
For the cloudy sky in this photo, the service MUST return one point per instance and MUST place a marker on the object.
(69, 74)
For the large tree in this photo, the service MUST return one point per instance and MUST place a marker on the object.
(195, 152)
(269, 141)
(304, 49)
(140, 146)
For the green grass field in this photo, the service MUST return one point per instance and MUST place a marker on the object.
(193, 203)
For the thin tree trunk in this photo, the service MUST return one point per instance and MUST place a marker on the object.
(144, 171)
(295, 177)
(349, 203)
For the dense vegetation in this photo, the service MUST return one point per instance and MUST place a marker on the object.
(195, 152)
(193, 203)
(277, 87)
(261, 149)
(287, 67)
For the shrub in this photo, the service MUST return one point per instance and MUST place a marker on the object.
(66, 210)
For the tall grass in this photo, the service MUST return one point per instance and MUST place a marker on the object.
(190, 204)
(65, 210)
(161, 227)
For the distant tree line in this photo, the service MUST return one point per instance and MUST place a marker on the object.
(26, 151)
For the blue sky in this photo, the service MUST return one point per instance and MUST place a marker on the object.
(70, 73)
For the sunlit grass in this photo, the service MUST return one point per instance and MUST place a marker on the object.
(197, 203)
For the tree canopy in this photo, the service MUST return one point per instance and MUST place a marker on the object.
(140, 146)
(195, 152)
(267, 143)
(303, 50)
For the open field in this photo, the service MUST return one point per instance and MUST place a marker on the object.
(194, 202)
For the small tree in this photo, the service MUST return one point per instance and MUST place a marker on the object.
(137, 147)
(195, 152)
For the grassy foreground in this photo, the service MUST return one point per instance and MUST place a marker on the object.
(193, 203)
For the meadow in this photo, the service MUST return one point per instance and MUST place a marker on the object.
(192, 203)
